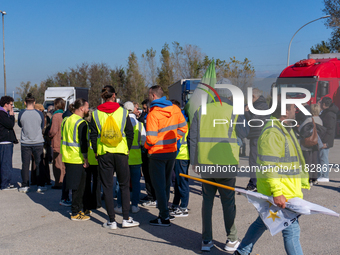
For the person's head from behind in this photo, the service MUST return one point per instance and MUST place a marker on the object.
(325, 103)
(145, 105)
(7, 103)
(108, 93)
(256, 94)
(59, 104)
(175, 102)
(129, 106)
(225, 93)
(155, 92)
(290, 112)
(80, 107)
(315, 109)
(30, 101)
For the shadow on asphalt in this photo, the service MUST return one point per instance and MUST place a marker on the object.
(175, 235)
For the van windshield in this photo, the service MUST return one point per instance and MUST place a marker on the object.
(306, 83)
(48, 103)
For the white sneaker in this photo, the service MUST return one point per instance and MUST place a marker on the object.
(23, 189)
(110, 225)
(322, 179)
(130, 223)
(150, 204)
(118, 210)
(41, 189)
(206, 246)
(231, 246)
(135, 209)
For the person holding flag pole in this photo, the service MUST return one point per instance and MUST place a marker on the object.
(278, 149)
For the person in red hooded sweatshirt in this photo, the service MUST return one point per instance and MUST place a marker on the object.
(113, 158)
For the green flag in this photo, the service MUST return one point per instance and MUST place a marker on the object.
(202, 91)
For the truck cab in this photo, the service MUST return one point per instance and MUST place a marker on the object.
(320, 74)
(182, 90)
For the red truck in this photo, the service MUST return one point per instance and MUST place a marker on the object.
(320, 74)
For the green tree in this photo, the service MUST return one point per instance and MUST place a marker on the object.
(150, 67)
(135, 84)
(332, 8)
(99, 76)
(165, 72)
(118, 81)
(22, 92)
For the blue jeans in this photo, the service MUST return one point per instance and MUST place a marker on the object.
(324, 161)
(291, 238)
(181, 184)
(6, 153)
(135, 184)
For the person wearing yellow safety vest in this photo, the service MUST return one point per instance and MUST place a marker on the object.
(74, 155)
(278, 146)
(113, 159)
(181, 166)
(135, 159)
(213, 148)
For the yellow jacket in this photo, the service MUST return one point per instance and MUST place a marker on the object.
(282, 165)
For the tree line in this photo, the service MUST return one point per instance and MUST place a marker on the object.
(332, 8)
(132, 82)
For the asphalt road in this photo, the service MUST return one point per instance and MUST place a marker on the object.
(35, 223)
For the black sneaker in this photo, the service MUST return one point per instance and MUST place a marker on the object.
(160, 222)
(251, 188)
(180, 212)
(171, 217)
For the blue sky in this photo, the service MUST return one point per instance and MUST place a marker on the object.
(45, 37)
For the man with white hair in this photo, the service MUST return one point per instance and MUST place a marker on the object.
(259, 103)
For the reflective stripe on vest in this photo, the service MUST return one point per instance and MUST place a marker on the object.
(168, 128)
(70, 146)
(139, 137)
(135, 155)
(120, 116)
(286, 159)
(217, 144)
(287, 165)
(75, 143)
(95, 114)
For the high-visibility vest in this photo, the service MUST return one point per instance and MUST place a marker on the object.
(280, 158)
(119, 116)
(70, 146)
(90, 153)
(135, 155)
(183, 153)
(217, 145)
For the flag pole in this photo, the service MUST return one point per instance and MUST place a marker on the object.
(209, 182)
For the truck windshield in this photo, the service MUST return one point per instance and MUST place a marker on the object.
(306, 83)
(47, 104)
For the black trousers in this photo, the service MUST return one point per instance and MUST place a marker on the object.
(160, 173)
(26, 153)
(108, 164)
(252, 160)
(312, 158)
(150, 191)
(75, 180)
(92, 198)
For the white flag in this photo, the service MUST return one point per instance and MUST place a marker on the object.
(275, 218)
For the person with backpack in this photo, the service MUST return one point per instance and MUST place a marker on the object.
(111, 137)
